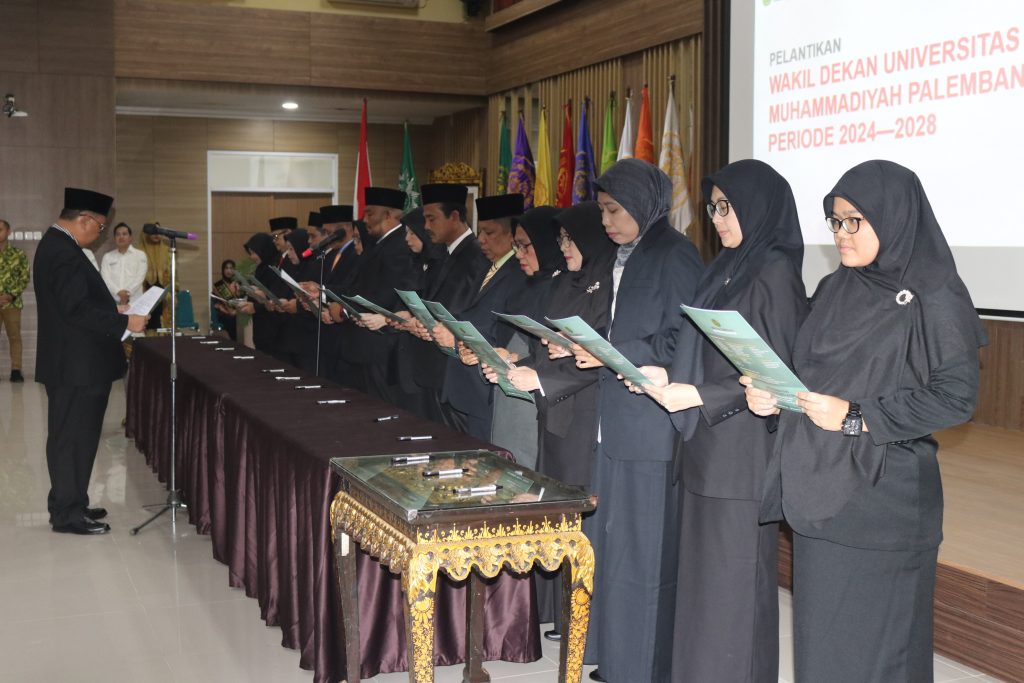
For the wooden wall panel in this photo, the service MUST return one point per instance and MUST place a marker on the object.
(408, 56)
(68, 137)
(19, 49)
(299, 136)
(549, 43)
(1001, 395)
(246, 45)
(211, 43)
(256, 135)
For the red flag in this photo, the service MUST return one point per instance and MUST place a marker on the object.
(363, 180)
(566, 162)
(644, 134)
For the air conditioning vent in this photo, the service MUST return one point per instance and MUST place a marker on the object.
(378, 3)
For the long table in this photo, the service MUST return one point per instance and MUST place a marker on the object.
(254, 467)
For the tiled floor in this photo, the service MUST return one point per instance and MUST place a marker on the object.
(157, 606)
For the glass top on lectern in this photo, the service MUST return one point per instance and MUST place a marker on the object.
(418, 485)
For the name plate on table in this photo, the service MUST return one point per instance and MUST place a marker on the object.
(406, 484)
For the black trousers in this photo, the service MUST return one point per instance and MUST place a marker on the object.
(74, 421)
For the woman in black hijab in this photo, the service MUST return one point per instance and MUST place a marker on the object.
(513, 420)
(566, 395)
(300, 326)
(634, 528)
(427, 255)
(267, 325)
(727, 561)
(890, 349)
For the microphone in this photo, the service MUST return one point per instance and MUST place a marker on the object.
(324, 243)
(155, 229)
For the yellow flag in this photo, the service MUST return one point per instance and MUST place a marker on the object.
(542, 187)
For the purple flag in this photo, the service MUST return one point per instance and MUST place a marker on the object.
(522, 173)
(583, 180)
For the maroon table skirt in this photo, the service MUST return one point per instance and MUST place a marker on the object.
(253, 466)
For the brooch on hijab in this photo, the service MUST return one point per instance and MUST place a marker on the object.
(904, 297)
(594, 287)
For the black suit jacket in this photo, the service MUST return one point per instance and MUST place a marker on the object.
(335, 277)
(454, 286)
(464, 387)
(387, 266)
(80, 330)
(662, 273)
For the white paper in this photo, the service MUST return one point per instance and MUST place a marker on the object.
(143, 305)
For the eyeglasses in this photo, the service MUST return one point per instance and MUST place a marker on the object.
(850, 224)
(564, 240)
(522, 246)
(721, 207)
(103, 226)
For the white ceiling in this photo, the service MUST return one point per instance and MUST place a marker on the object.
(146, 97)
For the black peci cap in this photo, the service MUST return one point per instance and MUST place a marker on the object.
(499, 206)
(336, 213)
(76, 199)
(384, 196)
(444, 193)
(314, 220)
(284, 223)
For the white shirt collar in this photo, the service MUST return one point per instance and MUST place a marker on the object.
(385, 235)
(458, 240)
(65, 231)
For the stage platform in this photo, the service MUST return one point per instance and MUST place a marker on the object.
(979, 592)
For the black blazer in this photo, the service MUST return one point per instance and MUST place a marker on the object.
(661, 274)
(387, 266)
(80, 330)
(454, 286)
(464, 387)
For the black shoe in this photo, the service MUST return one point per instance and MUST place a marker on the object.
(553, 635)
(595, 675)
(83, 527)
(95, 513)
(16, 376)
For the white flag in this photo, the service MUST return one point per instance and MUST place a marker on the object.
(626, 141)
(671, 162)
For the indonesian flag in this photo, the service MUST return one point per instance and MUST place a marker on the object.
(363, 179)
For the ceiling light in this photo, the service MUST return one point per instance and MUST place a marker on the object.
(290, 105)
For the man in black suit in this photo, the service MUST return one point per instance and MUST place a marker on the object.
(339, 262)
(367, 345)
(78, 355)
(454, 286)
(466, 393)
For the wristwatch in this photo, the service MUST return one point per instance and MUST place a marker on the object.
(854, 421)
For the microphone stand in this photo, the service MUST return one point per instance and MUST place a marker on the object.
(174, 501)
(320, 309)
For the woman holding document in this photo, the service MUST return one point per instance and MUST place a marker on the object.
(727, 621)
(890, 349)
(634, 528)
(267, 326)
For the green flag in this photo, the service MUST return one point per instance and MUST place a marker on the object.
(609, 150)
(504, 154)
(407, 178)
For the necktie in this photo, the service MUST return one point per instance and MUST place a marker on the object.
(487, 278)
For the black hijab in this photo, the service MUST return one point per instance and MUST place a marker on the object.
(873, 331)
(586, 292)
(540, 226)
(764, 206)
(643, 190)
(262, 244)
(431, 252)
(299, 239)
(365, 237)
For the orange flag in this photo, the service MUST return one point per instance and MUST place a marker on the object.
(566, 162)
(645, 134)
